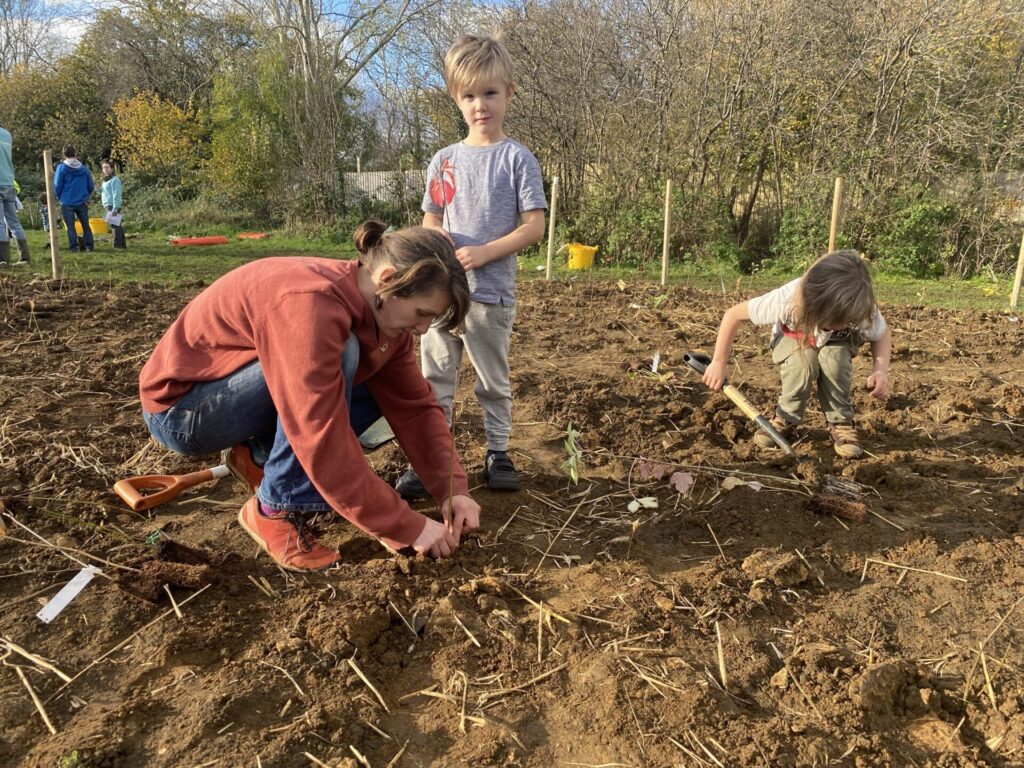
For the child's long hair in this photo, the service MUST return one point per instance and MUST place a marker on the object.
(423, 260)
(835, 293)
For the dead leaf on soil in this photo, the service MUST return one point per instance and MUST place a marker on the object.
(734, 482)
(653, 470)
(682, 482)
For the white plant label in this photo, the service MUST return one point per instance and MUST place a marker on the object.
(69, 592)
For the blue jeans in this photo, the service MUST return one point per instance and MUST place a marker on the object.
(10, 214)
(215, 415)
(69, 212)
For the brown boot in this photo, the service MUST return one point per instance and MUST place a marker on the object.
(844, 440)
(23, 250)
(783, 427)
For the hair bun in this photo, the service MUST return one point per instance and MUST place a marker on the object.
(368, 234)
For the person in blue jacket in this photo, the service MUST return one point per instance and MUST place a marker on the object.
(73, 185)
(110, 195)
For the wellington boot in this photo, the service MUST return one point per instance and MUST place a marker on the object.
(5, 252)
(23, 250)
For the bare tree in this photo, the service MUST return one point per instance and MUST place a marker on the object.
(29, 33)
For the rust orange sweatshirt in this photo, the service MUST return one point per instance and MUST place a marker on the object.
(294, 315)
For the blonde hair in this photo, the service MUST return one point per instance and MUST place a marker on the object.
(424, 261)
(835, 293)
(475, 59)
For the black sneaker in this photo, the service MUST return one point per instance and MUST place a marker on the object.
(500, 472)
(410, 487)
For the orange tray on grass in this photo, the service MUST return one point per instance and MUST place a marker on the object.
(182, 242)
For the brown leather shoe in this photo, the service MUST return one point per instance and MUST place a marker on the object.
(286, 539)
(239, 461)
(844, 441)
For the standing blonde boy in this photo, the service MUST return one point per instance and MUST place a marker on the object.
(487, 193)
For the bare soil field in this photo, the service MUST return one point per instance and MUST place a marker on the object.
(765, 612)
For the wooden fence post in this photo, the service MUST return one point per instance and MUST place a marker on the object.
(837, 204)
(51, 213)
(665, 237)
(1018, 276)
(551, 226)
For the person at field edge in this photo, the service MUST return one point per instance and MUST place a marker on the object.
(73, 186)
(44, 211)
(487, 193)
(820, 321)
(110, 196)
(286, 362)
(9, 201)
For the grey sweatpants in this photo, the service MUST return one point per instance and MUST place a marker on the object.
(485, 336)
(830, 367)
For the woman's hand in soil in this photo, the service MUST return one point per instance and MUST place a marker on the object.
(878, 383)
(715, 374)
(435, 540)
(463, 516)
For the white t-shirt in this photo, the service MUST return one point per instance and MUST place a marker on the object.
(776, 308)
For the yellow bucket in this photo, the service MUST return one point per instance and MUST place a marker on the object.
(97, 225)
(581, 256)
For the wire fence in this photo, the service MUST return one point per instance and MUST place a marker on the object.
(391, 187)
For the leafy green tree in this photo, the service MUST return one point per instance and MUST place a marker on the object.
(249, 150)
(156, 138)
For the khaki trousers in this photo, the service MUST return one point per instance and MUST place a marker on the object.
(830, 367)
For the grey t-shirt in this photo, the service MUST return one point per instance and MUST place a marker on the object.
(486, 189)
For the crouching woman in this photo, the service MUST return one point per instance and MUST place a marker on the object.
(286, 362)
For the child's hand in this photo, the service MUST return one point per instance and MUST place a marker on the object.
(435, 540)
(462, 517)
(878, 383)
(471, 256)
(715, 374)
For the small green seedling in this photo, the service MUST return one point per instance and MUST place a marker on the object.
(574, 452)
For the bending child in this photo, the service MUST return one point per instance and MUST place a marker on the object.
(820, 319)
(487, 192)
(291, 360)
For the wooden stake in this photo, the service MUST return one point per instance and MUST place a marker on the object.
(51, 213)
(551, 226)
(35, 700)
(837, 204)
(665, 236)
(1019, 276)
